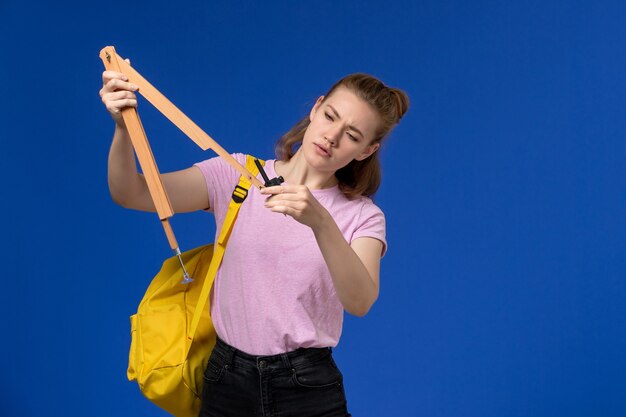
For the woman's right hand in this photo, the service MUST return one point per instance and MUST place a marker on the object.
(117, 94)
(186, 189)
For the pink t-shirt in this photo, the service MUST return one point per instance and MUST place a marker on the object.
(273, 292)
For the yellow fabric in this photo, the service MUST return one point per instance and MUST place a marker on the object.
(172, 335)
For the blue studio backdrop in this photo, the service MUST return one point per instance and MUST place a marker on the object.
(503, 291)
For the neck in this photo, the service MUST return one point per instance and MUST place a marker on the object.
(297, 171)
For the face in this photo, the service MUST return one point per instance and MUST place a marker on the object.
(342, 129)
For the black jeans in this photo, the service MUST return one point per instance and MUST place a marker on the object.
(302, 383)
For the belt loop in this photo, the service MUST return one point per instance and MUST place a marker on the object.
(286, 361)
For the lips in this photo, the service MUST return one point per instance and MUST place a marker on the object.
(322, 150)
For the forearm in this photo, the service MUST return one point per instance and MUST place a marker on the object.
(354, 268)
(124, 180)
(355, 287)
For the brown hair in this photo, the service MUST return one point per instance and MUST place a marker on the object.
(358, 177)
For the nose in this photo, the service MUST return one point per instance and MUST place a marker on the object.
(332, 136)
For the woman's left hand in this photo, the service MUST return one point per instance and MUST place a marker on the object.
(297, 202)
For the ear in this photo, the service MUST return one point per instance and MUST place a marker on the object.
(368, 151)
(317, 105)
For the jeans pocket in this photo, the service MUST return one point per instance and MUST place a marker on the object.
(320, 374)
(214, 369)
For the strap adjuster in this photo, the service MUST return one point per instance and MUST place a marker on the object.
(239, 194)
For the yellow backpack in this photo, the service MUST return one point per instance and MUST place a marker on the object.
(172, 335)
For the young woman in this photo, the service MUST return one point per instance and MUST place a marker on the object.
(299, 255)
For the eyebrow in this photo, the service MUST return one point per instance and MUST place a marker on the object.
(349, 126)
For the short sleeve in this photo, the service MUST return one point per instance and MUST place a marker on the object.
(221, 179)
(372, 224)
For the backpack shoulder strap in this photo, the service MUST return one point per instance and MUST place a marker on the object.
(239, 195)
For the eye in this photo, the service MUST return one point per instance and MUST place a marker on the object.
(328, 116)
(352, 137)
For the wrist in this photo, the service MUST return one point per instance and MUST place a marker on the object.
(324, 224)
(119, 123)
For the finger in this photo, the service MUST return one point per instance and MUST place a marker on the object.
(120, 105)
(289, 206)
(118, 95)
(112, 96)
(109, 75)
(277, 200)
(280, 189)
(285, 197)
(282, 209)
(117, 84)
(127, 60)
(271, 190)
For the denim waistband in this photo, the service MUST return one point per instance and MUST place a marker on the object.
(289, 360)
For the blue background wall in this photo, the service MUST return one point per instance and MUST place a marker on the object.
(504, 187)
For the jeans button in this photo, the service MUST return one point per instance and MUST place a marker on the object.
(262, 364)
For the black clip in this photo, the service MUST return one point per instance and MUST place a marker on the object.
(268, 182)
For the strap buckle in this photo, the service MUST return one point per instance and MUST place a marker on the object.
(239, 194)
